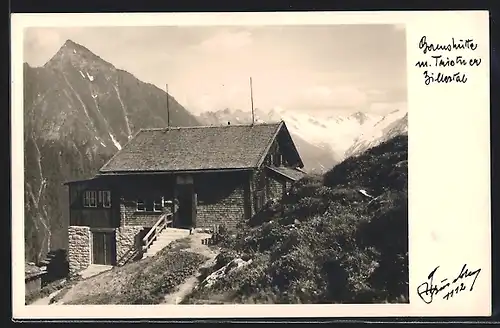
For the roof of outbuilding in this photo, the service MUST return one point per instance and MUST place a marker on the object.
(291, 173)
(194, 148)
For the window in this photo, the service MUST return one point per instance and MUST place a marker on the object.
(158, 205)
(141, 206)
(89, 199)
(105, 198)
(148, 205)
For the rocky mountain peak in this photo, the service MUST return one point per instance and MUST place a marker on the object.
(360, 117)
(78, 56)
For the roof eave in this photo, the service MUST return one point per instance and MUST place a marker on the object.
(280, 126)
(263, 155)
(137, 172)
(284, 174)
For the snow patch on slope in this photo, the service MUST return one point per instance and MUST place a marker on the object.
(117, 144)
(91, 78)
(129, 130)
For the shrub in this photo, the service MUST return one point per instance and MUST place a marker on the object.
(374, 169)
(293, 266)
(271, 209)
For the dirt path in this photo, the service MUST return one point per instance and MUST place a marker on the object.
(46, 300)
(185, 288)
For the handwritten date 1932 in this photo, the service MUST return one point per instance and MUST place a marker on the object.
(446, 287)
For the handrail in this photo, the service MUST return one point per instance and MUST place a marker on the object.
(130, 254)
(156, 229)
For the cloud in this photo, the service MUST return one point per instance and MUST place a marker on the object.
(320, 96)
(41, 43)
(216, 97)
(226, 41)
(42, 36)
(386, 107)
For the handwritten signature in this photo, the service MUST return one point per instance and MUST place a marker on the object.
(448, 288)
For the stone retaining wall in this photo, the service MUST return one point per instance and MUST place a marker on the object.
(127, 241)
(79, 248)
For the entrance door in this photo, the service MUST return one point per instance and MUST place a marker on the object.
(103, 247)
(186, 215)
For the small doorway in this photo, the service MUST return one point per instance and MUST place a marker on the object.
(186, 214)
(103, 247)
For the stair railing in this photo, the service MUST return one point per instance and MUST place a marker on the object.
(164, 221)
(131, 253)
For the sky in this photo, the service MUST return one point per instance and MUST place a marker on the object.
(325, 69)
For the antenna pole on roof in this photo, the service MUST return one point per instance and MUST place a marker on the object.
(168, 110)
(251, 99)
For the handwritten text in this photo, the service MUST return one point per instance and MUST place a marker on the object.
(447, 287)
(441, 61)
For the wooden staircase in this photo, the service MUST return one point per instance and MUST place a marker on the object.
(164, 238)
(161, 235)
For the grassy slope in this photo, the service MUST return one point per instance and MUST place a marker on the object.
(326, 242)
(143, 282)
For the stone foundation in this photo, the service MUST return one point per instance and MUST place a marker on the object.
(126, 242)
(79, 248)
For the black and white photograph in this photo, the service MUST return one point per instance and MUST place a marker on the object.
(216, 165)
(220, 165)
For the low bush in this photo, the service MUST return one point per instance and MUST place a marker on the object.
(376, 168)
(271, 210)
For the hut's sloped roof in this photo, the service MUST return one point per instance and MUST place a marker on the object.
(194, 148)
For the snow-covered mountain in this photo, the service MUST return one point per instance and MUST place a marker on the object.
(375, 136)
(341, 135)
